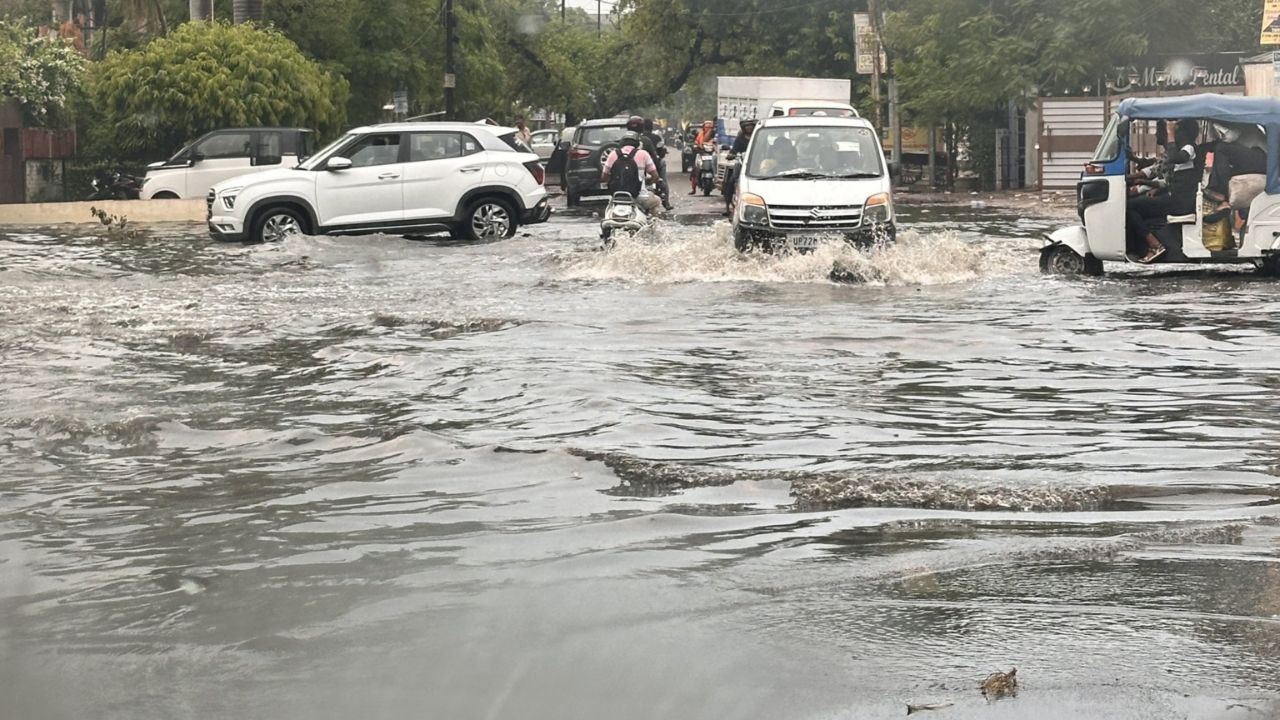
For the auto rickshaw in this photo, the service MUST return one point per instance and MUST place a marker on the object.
(1102, 194)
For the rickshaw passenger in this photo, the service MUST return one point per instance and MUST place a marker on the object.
(1179, 199)
(1231, 157)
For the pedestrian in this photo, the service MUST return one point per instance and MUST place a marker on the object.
(523, 132)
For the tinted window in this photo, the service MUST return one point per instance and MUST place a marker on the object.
(226, 145)
(376, 149)
(308, 145)
(441, 146)
(819, 111)
(269, 148)
(515, 143)
(601, 135)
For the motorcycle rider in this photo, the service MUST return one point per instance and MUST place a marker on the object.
(631, 147)
(636, 124)
(706, 135)
(740, 143)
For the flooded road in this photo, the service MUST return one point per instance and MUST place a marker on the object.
(384, 478)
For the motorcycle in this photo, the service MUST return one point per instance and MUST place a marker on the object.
(706, 165)
(115, 185)
(622, 214)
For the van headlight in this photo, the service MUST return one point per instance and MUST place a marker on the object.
(879, 209)
(229, 197)
(754, 210)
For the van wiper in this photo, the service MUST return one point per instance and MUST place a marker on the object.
(853, 175)
(797, 174)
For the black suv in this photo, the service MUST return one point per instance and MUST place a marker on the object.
(592, 142)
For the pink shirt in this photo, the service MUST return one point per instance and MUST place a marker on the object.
(644, 163)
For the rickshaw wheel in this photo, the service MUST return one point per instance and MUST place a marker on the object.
(1062, 260)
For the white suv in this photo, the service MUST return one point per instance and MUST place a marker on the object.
(478, 181)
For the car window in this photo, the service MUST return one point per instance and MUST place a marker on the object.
(308, 142)
(440, 146)
(515, 143)
(270, 146)
(374, 149)
(601, 135)
(545, 137)
(225, 145)
(830, 151)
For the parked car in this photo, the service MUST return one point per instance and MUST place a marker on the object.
(544, 143)
(592, 142)
(476, 181)
(224, 154)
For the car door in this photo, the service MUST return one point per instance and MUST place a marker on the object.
(544, 143)
(368, 194)
(442, 167)
(220, 156)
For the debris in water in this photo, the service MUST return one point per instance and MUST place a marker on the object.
(1000, 684)
(117, 225)
(912, 709)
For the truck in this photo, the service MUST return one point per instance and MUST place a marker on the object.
(743, 98)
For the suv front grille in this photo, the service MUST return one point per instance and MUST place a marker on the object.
(208, 205)
(823, 217)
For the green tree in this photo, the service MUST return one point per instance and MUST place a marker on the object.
(42, 73)
(206, 76)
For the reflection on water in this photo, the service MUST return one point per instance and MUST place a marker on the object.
(368, 476)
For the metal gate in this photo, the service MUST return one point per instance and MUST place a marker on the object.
(1070, 129)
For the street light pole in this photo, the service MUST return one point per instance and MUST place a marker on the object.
(450, 77)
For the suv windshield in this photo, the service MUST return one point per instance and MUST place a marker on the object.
(814, 151)
(601, 135)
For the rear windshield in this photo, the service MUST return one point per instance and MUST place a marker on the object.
(820, 112)
(601, 135)
(514, 142)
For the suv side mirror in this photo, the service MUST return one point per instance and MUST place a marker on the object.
(337, 163)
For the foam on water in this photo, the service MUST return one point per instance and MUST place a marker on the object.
(677, 254)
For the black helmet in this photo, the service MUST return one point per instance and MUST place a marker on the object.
(635, 122)
(750, 122)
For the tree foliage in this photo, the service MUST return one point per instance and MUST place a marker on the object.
(206, 76)
(42, 73)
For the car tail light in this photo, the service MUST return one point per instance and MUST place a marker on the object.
(580, 153)
(535, 169)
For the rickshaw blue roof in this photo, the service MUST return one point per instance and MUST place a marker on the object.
(1207, 106)
(1227, 108)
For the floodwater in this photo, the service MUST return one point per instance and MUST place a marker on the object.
(387, 478)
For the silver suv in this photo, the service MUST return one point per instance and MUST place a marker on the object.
(475, 181)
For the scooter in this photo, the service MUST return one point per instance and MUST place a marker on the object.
(115, 185)
(706, 164)
(622, 214)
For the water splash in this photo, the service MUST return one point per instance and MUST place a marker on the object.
(668, 253)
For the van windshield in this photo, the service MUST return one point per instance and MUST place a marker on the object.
(814, 151)
(1109, 146)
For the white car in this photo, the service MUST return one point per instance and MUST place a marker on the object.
(806, 177)
(471, 180)
(224, 154)
(544, 143)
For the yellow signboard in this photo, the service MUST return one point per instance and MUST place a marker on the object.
(1271, 22)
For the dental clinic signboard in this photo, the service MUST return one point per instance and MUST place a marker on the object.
(1271, 22)
(1177, 72)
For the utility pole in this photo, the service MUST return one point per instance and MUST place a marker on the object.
(561, 10)
(599, 21)
(450, 76)
(873, 9)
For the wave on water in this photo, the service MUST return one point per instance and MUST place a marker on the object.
(834, 490)
(670, 253)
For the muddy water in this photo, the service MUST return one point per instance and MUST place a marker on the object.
(391, 478)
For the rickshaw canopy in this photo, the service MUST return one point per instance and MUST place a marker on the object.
(1262, 111)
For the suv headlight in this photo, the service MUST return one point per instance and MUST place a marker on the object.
(754, 210)
(229, 197)
(879, 209)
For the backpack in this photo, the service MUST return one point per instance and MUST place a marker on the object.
(624, 176)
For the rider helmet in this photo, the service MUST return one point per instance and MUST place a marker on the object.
(636, 123)
(630, 139)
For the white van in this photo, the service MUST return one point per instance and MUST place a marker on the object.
(806, 177)
(222, 155)
(803, 108)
